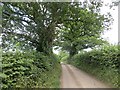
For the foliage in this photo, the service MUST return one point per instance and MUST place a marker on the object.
(102, 62)
(82, 29)
(63, 55)
(30, 70)
(41, 26)
(38, 25)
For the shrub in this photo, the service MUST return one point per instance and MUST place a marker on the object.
(102, 62)
(30, 69)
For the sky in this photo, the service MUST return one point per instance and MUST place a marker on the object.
(112, 35)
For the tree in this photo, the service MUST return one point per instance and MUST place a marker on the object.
(38, 25)
(83, 29)
(32, 23)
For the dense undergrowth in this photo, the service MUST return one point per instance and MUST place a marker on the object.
(103, 63)
(30, 70)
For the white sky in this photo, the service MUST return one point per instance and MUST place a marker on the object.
(112, 35)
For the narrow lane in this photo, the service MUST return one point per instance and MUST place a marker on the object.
(75, 78)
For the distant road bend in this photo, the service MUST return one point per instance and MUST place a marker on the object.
(75, 78)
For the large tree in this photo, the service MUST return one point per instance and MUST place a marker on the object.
(83, 28)
(38, 25)
(32, 23)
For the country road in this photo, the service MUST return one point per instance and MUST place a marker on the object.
(75, 78)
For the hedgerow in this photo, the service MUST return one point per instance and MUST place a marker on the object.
(30, 70)
(103, 63)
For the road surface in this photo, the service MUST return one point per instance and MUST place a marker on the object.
(75, 78)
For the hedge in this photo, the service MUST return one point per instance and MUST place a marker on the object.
(30, 70)
(103, 63)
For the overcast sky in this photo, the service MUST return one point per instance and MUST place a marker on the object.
(112, 35)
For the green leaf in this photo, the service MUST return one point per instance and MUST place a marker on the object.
(2, 75)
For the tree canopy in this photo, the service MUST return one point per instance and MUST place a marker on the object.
(41, 26)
